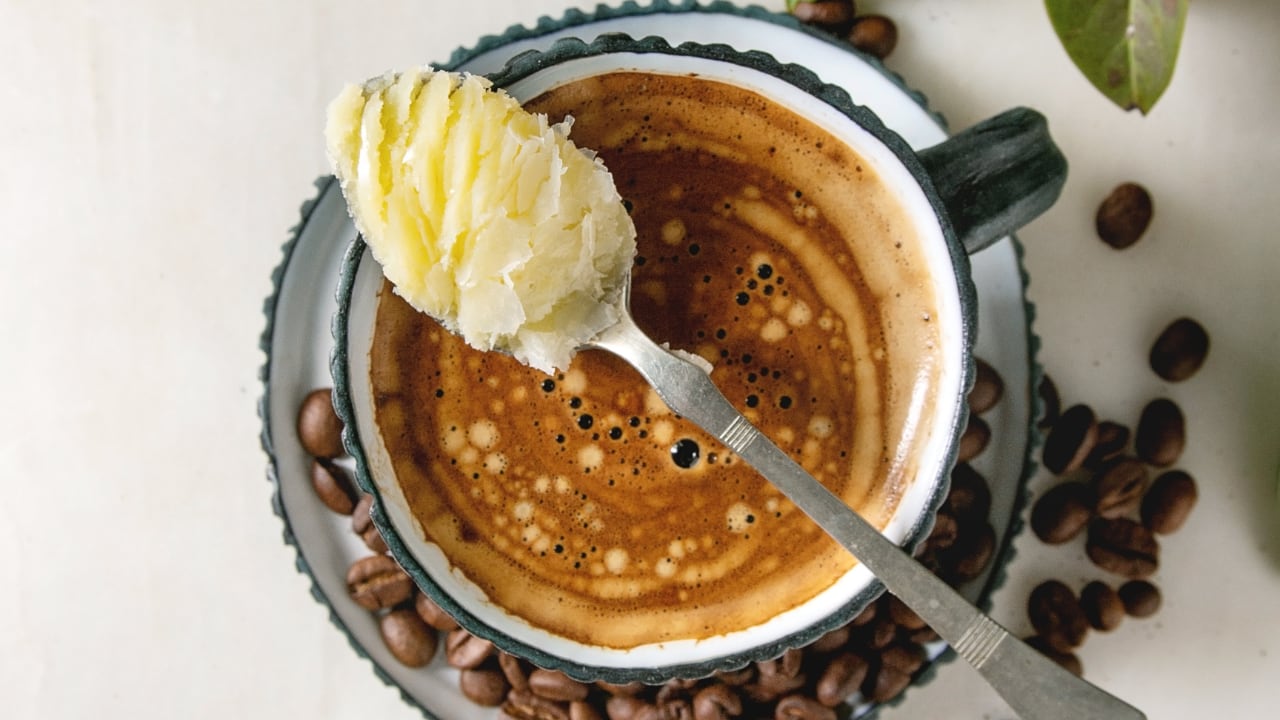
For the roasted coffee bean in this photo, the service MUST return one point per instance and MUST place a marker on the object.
(832, 641)
(885, 683)
(1071, 440)
(554, 685)
(971, 555)
(976, 437)
(988, 387)
(1124, 215)
(1050, 401)
(907, 657)
(716, 702)
(333, 486)
(582, 710)
(1123, 547)
(800, 707)
(1062, 512)
(923, 636)
(515, 671)
(1102, 606)
(874, 35)
(675, 689)
(362, 525)
(464, 650)
(1141, 599)
(1067, 660)
(866, 616)
(841, 678)
(407, 637)
(904, 616)
(944, 533)
(319, 429)
(681, 709)
(524, 705)
(970, 498)
(625, 707)
(1180, 350)
(377, 583)
(483, 686)
(1162, 433)
(835, 16)
(1113, 440)
(1056, 615)
(737, 678)
(432, 615)
(1169, 502)
(879, 633)
(1119, 487)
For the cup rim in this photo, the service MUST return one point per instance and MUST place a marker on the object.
(521, 67)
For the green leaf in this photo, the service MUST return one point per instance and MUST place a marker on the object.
(1126, 48)
(791, 4)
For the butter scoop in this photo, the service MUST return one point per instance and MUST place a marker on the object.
(482, 215)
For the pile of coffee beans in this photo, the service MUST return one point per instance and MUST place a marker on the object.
(871, 659)
(872, 34)
(1106, 490)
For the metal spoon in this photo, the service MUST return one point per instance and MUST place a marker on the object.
(1034, 686)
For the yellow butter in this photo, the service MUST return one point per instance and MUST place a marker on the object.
(482, 215)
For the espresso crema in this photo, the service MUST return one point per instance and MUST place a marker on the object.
(578, 501)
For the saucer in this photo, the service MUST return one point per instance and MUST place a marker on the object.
(297, 339)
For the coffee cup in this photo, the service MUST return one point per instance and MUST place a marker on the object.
(798, 246)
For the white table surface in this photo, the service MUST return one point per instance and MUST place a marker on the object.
(155, 154)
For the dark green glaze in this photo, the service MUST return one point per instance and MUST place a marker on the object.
(997, 176)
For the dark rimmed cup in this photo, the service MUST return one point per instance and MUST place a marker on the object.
(961, 195)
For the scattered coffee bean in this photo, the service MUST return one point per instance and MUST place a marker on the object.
(334, 486)
(832, 641)
(907, 657)
(1102, 605)
(1180, 350)
(1051, 403)
(799, 707)
(1071, 440)
(834, 16)
(971, 555)
(1056, 615)
(464, 650)
(885, 684)
(865, 617)
(944, 533)
(717, 702)
(517, 673)
(377, 583)
(1124, 215)
(483, 686)
(842, 677)
(737, 678)
(1123, 547)
(319, 429)
(903, 616)
(874, 35)
(554, 685)
(988, 387)
(626, 707)
(1063, 512)
(1161, 434)
(362, 524)
(1067, 660)
(407, 637)
(1119, 487)
(524, 705)
(970, 498)
(1169, 502)
(582, 710)
(432, 615)
(1113, 440)
(976, 437)
(1141, 599)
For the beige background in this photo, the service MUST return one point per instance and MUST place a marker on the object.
(155, 153)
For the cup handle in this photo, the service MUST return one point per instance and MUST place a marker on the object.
(996, 176)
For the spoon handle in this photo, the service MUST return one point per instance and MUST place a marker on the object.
(1034, 686)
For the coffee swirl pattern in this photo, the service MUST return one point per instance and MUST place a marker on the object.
(578, 501)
